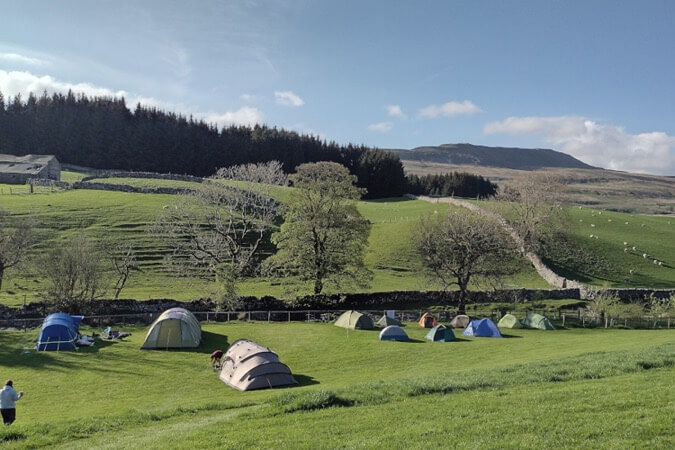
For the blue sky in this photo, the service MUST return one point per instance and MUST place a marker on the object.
(591, 78)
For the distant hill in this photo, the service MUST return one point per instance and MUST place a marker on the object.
(506, 157)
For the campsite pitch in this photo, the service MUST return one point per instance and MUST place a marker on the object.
(349, 383)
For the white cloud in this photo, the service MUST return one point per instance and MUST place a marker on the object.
(395, 111)
(603, 145)
(243, 116)
(449, 109)
(22, 59)
(13, 83)
(288, 98)
(381, 127)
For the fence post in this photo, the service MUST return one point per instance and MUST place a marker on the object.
(563, 320)
(289, 316)
(269, 315)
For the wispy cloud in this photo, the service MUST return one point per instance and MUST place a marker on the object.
(22, 59)
(243, 116)
(449, 109)
(288, 98)
(381, 127)
(603, 145)
(13, 83)
(395, 111)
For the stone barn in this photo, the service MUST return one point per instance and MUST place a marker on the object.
(19, 169)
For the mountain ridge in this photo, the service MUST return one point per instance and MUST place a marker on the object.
(480, 155)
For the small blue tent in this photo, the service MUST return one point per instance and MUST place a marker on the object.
(482, 328)
(59, 332)
(440, 334)
(393, 333)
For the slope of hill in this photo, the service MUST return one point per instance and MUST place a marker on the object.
(598, 188)
(507, 157)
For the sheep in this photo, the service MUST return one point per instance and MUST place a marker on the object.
(590, 236)
(660, 263)
(592, 225)
(625, 250)
(625, 243)
(634, 248)
(626, 223)
(631, 271)
(645, 256)
(656, 261)
(609, 220)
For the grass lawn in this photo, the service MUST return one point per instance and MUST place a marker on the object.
(530, 389)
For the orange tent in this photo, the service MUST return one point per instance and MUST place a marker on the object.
(427, 321)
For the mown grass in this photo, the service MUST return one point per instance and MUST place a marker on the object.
(120, 396)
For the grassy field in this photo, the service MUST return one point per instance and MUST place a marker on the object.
(531, 389)
(607, 246)
(111, 217)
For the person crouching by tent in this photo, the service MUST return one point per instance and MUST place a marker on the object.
(216, 359)
(8, 399)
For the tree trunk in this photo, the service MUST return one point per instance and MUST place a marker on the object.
(318, 285)
(2, 274)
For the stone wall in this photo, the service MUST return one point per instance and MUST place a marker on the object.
(152, 175)
(127, 188)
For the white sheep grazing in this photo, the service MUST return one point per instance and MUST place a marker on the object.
(634, 248)
(590, 236)
(581, 220)
(645, 256)
(596, 236)
(609, 220)
(625, 250)
(630, 271)
(592, 225)
(625, 243)
(656, 261)
(660, 263)
(626, 223)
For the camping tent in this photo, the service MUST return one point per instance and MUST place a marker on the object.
(440, 334)
(385, 321)
(460, 321)
(393, 333)
(509, 321)
(59, 332)
(249, 366)
(482, 328)
(427, 320)
(174, 328)
(537, 321)
(354, 320)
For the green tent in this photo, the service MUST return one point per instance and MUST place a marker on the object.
(440, 333)
(385, 321)
(509, 321)
(174, 328)
(537, 321)
(354, 320)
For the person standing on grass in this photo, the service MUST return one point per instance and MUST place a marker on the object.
(8, 399)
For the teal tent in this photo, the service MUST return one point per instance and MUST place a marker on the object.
(537, 322)
(440, 333)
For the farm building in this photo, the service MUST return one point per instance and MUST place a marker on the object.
(19, 169)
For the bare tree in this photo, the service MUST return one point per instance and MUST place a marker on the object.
(122, 257)
(534, 204)
(15, 240)
(218, 229)
(604, 306)
(75, 273)
(457, 248)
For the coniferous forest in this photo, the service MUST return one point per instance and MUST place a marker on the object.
(102, 133)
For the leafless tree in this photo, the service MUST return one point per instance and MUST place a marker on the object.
(75, 273)
(122, 257)
(218, 229)
(462, 246)
(15, 241)
(534, 204)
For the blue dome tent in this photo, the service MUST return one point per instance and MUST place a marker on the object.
(482, 328)
(59, 332)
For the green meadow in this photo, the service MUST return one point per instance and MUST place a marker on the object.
(566, 388)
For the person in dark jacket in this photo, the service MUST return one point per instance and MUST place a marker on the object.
(8, 399)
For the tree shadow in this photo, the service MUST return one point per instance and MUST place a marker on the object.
(511, 336)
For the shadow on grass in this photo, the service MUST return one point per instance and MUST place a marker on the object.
(304, 380)
(510, 336)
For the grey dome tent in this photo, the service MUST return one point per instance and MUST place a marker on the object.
(509, 321)
(440, 333)
(250, 366)
(460, 321)
(385, 321)
(174, 328)
(354, 320)
(393, 333)
(537, 321)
